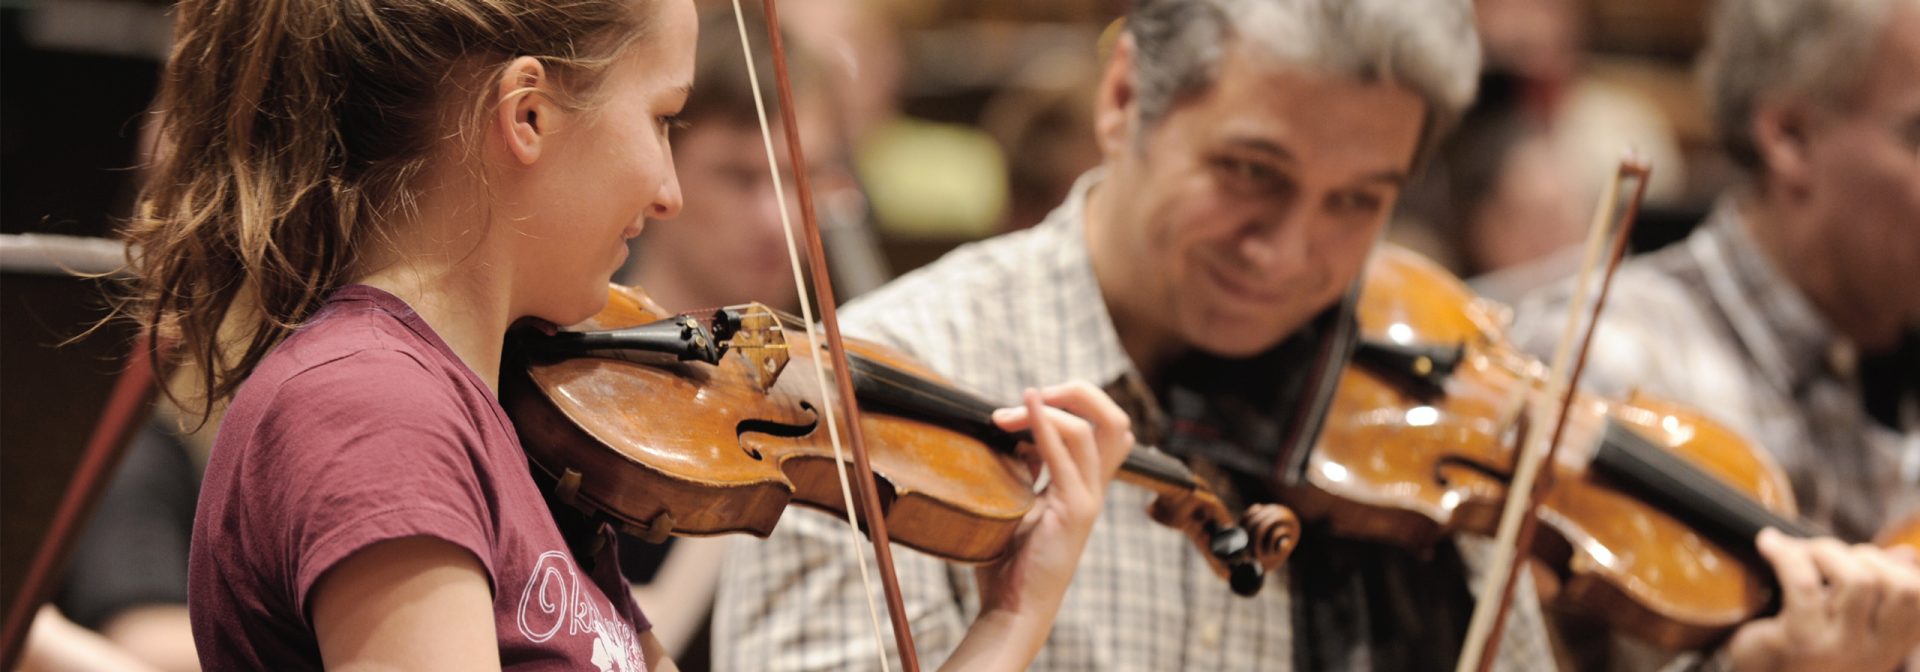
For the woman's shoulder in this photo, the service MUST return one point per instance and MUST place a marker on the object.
(353, 376)
(366, 378)
(359, 354)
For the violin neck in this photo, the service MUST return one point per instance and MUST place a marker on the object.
(1676, 486)
(881, 386)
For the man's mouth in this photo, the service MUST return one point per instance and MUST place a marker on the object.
(1242, 290)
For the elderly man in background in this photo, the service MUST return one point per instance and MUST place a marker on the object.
(1764, 316)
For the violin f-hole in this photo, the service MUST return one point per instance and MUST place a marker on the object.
(775, 428)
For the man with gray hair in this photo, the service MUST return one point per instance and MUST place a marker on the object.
(1252, 152)
(1766, 316)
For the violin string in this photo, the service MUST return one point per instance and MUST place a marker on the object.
(894, 379)
(854, 540)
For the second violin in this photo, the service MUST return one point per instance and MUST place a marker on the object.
(1652, 507)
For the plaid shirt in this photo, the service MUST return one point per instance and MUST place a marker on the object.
(1710, 322)
(998, 316)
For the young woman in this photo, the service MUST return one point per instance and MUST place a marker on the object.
(357, 200)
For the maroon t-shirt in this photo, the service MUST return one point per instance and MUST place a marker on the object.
(365, 427)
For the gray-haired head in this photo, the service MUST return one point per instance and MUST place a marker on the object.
(1812, 51)
(1428, 46)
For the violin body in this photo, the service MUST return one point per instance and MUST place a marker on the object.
(1408, 460)
(666, 447)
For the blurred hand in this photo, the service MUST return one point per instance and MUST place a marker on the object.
(1842, 608)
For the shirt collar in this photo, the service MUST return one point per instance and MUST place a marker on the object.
(1778, 324)
(1071, 266)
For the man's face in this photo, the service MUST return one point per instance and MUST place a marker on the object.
(1863, 168)
(1250, 208)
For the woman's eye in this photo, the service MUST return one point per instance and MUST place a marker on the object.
(670, 123)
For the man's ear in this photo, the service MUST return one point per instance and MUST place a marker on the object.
(1116, 105)
(526, 117)
(1781, 138)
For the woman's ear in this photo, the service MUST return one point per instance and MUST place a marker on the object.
(526, 116)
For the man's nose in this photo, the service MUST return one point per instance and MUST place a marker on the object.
(1277, 241)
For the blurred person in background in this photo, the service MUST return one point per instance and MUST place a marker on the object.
(1791, 313)
(1044, 125)
(55, 644)
(1501, 194)
(122, 595)
(1510, 192)
(728, 248)
(127, 577)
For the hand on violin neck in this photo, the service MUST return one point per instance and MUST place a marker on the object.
(1842, 608)
(1081, 437)
(1073, 404)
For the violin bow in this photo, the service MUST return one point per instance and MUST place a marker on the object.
(1519, 519)
(836, 347)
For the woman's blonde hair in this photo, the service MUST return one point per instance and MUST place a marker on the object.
(295, 129)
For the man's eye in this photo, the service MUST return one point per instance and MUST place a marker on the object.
(1247, 176)
(1357, 203)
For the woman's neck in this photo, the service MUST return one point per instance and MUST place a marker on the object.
(453, 276)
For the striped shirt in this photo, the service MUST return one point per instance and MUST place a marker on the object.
(1017, 311)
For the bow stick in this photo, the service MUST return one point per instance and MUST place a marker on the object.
(836, 348)
(1519, 517)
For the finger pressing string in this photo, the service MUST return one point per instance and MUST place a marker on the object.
(1052, 448)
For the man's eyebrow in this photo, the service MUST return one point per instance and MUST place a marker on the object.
(1264, 146)
(1392, 177)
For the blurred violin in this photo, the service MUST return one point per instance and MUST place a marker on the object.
(1651, 510)
(729, 438)
(1902, 533)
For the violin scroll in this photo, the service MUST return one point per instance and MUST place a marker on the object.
(1275, 530)
(1241, 550)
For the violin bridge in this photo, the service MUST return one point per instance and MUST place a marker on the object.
(763, 343)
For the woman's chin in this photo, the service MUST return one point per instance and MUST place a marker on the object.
(580, 309)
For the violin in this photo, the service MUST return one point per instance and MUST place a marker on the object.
(732, 433)
(1902, 533)
(1651, 510)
